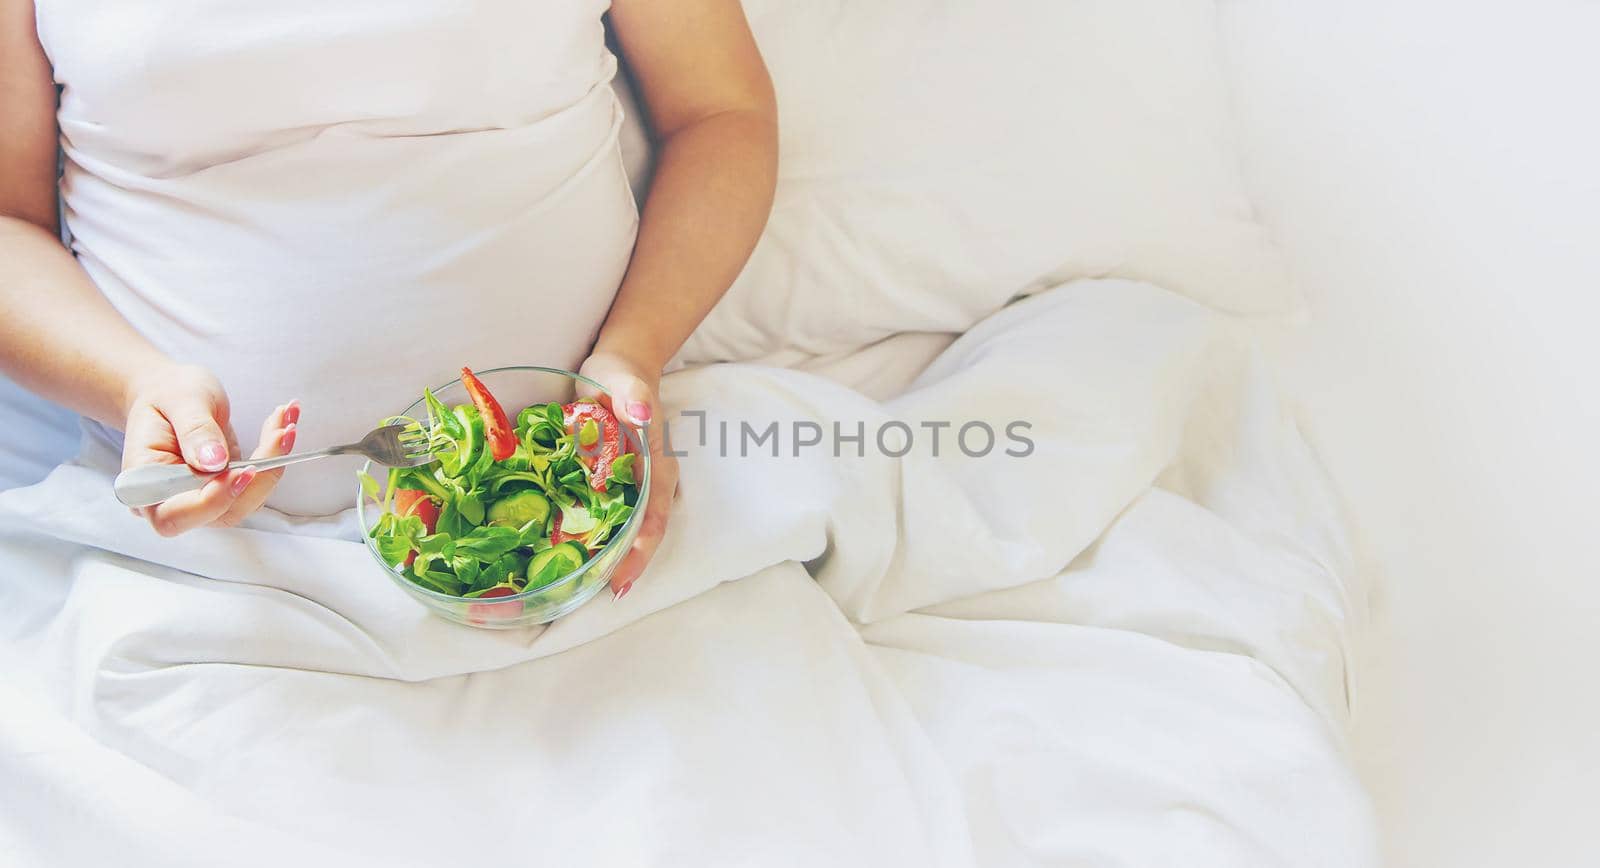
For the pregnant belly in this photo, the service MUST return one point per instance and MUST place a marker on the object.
(354, 306)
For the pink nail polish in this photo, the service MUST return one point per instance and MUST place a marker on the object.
(639, 410)
(286, 442)
(243, 480)
(617, 595)
(292, 415)
(213, 456)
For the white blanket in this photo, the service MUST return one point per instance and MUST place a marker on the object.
(1126, 648)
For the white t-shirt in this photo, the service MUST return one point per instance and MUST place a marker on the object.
(345, 201)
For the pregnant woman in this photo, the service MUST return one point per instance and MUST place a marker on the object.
(312, 207)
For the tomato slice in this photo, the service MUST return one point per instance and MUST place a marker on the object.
(409, 501)
(497, 430)
(483, 613)
(606, 449)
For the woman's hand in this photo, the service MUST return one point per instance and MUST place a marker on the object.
(633, 389)
(179, 415)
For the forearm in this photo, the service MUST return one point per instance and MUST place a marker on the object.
(59, 336)
(709, 202)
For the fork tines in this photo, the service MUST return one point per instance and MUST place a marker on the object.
(415, 441)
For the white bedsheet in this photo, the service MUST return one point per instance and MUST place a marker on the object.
(35, 436)
(1128, 648)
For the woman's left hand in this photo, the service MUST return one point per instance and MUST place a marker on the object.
(633, 399)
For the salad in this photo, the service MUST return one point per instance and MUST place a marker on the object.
(504, 508)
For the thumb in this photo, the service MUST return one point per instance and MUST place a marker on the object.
(631, 399)
(201, 440)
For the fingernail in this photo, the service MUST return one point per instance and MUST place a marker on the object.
(639, 410)
(292, 415)
(617, 595)
(213, 456)
(286, 442)
(243, 480)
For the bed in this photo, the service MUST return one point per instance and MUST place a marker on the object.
(1129, 645)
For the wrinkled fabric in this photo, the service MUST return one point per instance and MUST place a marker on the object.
(1128, 646)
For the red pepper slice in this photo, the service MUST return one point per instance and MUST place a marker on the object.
(604, 452)
(496, 427)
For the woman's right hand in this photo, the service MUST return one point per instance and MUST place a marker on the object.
(179, 415)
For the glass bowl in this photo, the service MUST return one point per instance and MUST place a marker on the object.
(515, 388)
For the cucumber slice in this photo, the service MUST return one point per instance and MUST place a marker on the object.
(518, 509)
(555, 562)
(464, 428)
(477, 459)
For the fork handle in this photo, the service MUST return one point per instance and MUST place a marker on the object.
(150, 484)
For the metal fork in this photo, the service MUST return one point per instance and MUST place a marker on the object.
(390, 445)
